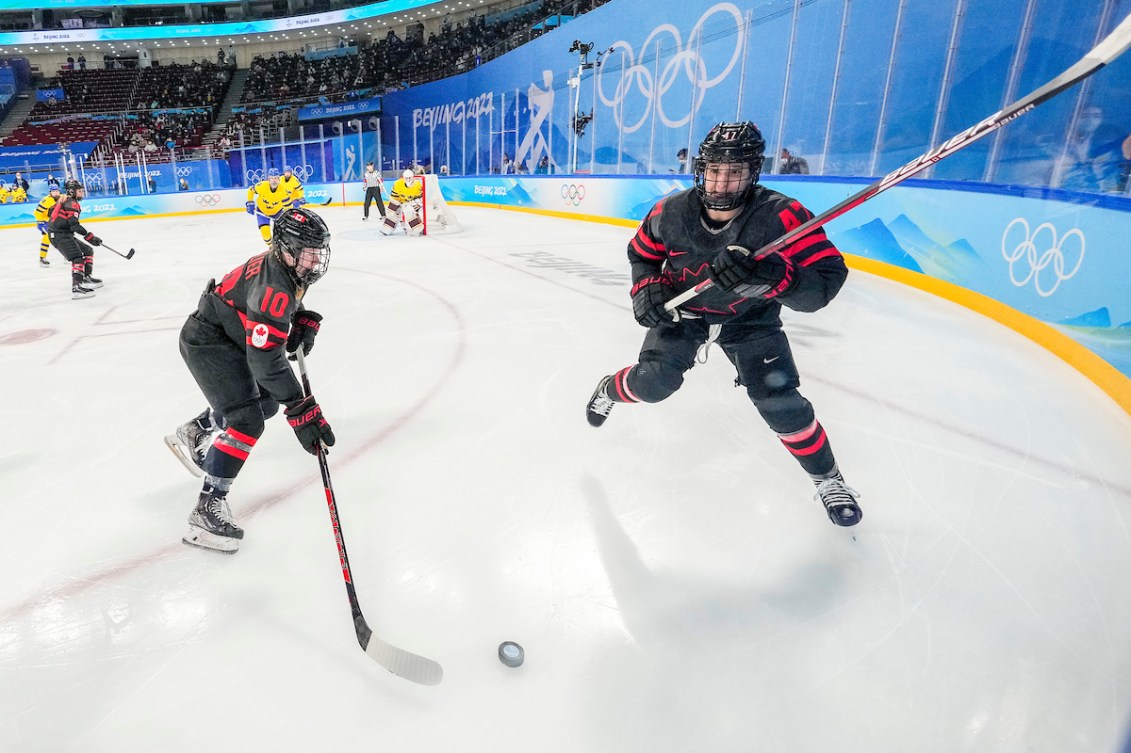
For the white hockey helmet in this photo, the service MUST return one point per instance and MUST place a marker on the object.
(409, 176)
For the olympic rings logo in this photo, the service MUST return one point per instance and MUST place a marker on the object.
(1055, 255)
(573, 193)
(183, 172)
(207, 199)
(653, 83)
(93, 179)
(302, 172)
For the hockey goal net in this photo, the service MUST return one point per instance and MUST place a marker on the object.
(438, 217)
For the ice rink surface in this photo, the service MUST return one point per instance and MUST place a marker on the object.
(674, 584)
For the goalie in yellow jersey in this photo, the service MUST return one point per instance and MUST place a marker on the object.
(269, 198)
(42, 213)
(405, 203)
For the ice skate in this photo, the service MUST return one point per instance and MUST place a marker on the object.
(191, 442)
(600, 405)
(839, 500)
(91, 282)
(211, 526)
(43, 262)
(78, 291)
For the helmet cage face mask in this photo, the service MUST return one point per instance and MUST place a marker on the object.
(302, 243)
(729, 144)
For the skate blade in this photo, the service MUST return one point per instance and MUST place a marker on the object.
(202, 539)
(180, 454)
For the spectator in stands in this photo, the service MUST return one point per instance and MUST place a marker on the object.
(791, 165)
(21, 181)
(507, 167)
(219, 55)
(681, 161)
(82, 62)
(231, 56)
(52, 182)
(182, 185)
(70, 63)
(170, 143)
(151, 182)
(543, 167)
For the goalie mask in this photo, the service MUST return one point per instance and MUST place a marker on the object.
(409, 176)
(723, 151)
(302, 242)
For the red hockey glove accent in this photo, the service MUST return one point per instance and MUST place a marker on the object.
(92, 239)
(649, 295)
(305, 417)
(303, 331)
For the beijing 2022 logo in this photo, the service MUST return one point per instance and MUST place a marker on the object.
(1041, 256)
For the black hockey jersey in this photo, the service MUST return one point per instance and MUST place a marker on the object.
(254, 305)
(674, 239)
(65, 217)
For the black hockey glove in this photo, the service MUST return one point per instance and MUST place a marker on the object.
(92, 239)
(736, 270)
(305, 417)
(303, 330)
(649, 295)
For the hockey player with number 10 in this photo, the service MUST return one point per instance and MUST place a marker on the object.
(712, 230)
(235, 345)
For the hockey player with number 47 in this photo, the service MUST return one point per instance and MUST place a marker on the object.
(712, 230)
(235, 345)
(405, 199)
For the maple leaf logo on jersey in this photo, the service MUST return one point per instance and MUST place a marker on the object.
(259, 335)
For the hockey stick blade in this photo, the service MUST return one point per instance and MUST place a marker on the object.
(1110, 48)
(128, 255)
(401, 663)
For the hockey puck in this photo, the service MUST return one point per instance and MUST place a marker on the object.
(511, 654)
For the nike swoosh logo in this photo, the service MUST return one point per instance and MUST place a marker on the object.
(678, 253)
(770, 360)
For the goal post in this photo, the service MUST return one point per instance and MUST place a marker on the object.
(437, 216)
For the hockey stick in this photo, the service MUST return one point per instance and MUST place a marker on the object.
(398, 661)
(128, 255)
(1111, 47)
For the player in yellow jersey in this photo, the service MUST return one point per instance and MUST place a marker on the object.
(291, 182)
(405, 200)
(268, 199)
(4, 194)
(19, 195)
(42, 214)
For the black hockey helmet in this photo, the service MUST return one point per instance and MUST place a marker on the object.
(72, 187)
(729, 143)
(302, 242)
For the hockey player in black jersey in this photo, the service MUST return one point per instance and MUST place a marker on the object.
(712, 230)
(62, 227)
(235, 344)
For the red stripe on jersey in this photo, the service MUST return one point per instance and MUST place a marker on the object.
(820, 255)
(795, 248)
(641, 251)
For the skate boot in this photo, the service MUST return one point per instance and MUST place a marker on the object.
(91, 282)
(211, 526)
(78, 291)
(43, 262)
(192, 441)
(839, 500)
(600, 404)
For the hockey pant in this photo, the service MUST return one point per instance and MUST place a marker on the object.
(78, 253)
(765, 365)
(409, 212)
(220, 369)
(373, 193)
